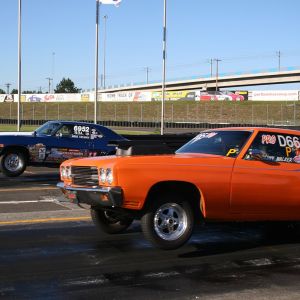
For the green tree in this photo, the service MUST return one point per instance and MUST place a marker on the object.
(2, 91)
(66, 85)
(14, 91)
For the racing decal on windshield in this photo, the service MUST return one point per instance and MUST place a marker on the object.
(232, 152)
(204, 135)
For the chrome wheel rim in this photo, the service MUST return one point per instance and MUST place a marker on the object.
(13, 163)
(170, 221)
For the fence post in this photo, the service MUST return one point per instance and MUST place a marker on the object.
(33, 112)
(141, 112)
(115, 112)
(294, 113)
(45, 111)
(128, 112)
(187, 112)
(86, 112)
(57, 111)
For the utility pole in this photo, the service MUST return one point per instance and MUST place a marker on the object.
(49, 84)
(278, 53)
(53, 71)
(7, 87)
(217, 71)
(211, 67)
(147, 69)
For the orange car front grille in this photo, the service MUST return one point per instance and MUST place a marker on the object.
(85, 176)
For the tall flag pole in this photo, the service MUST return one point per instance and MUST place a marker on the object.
(19, 66)
(164, 69)
(98, 3)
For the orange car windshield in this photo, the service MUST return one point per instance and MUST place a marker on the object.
(226, 143)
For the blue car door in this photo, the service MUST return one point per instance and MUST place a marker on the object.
(69, 141)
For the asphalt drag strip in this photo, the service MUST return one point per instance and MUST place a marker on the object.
(33, 197)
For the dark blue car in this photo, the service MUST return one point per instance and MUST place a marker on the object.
(52, 143)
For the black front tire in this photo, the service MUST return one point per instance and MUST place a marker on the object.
(110, 222)
(169, 223)
(13, 163)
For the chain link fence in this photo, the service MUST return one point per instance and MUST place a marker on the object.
(248, 112)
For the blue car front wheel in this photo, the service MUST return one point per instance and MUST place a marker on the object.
(13, 163)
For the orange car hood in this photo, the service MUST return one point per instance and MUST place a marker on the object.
(139, 159)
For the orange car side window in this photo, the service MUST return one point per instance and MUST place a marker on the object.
(275, 147)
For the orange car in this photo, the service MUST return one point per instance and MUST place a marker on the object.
(230, 174)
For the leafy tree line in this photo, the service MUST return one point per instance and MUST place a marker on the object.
(65, 86)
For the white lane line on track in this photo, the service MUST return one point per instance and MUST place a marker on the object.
(29, 201)
(28, 189)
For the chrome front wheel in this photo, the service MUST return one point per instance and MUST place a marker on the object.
(169, 223)
(13, 163)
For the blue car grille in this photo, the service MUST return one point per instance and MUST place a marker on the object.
(85, 176)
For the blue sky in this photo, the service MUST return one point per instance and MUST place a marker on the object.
(58, 39)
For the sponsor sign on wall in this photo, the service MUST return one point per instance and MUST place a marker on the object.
(126, 96)
(173, 95)
(276, 95)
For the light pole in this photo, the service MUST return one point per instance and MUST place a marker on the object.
(104, 52)
(217, 71)
(164, 68)
(19, 64)
(96, 60)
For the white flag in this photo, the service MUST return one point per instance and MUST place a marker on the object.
(114, 2)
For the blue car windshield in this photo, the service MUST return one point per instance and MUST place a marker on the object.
(48, 128)
(226, 143)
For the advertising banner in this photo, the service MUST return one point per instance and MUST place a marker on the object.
(173, 95)
(212, 95)
(7, 98)
(126, 96)
(276, 95)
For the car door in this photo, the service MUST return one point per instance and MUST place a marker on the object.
(266, 180)
(70, 140)
(99, 142)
